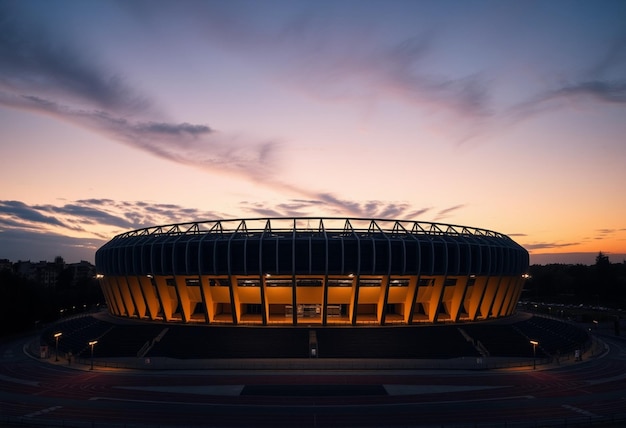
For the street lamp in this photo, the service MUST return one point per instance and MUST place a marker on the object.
(56, 345)
(534, 343)
(92, 343)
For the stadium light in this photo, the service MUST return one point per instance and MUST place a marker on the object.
(534, 343)
(56, 347)
(92, 344)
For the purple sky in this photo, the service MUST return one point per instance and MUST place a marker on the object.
(504, 115)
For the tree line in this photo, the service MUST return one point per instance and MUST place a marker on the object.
(602, 284)
(26, 304)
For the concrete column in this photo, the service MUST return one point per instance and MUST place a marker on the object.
(137, 295)
(207, 298)
(233, 289)
(150, 297)
(478, 293)
(489, 296)
(409, 302)
(164, 297)
(183, 297)
(498, 303)
(354, 298)
(110, 295)
(382, 300)
(122, 302)
(435, 298)
(458, 298)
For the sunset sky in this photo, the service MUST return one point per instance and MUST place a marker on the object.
(504, 115)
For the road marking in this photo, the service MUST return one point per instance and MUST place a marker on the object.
(41, 412)
(21, 381)
(228, 390)
(607, 379)
(581, 411)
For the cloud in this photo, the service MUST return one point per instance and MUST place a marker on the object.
(18, 213)
(445, 212)
(404, 73)
(611, 92)
(194, 145)
(94, 217)
(603, 234)
(177, 130)
(334, 53)
(329, 205)
(33, 245)
(35, 61)
(614, 57)
(42, 72)
(549, 245)
(598, 84)
(606, 91)
(347, 68)
(87, 213)
(262, 211)
(412, 215)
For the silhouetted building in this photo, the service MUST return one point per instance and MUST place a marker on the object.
(48, 273)
(82, 270)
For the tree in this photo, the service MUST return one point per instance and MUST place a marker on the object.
(602, 260)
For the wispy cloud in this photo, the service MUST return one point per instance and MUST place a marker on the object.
(329, 205)
(326, 54)
(603, 82)
(549, 245)
(609, 234)
(34, 245)
(38, 62)
(43, 73)
(16, 211)
(395, 71)
(447, 211)
(100, 218)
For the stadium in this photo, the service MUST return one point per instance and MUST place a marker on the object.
(300, 316)
(342, 290)
(311, 271)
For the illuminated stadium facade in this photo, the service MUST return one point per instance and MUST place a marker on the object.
(311, 271)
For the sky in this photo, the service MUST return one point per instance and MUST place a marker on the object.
(503, 115)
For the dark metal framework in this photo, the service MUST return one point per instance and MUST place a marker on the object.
(289, 246)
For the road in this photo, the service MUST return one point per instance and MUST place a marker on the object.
(34, 392)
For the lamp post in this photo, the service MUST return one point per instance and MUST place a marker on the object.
(56, 345)
(92, 343)
(534, 343)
